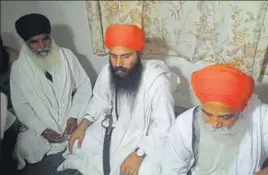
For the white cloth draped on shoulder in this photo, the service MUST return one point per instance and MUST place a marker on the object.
(144, 126)
(41, 104)
(252, 151)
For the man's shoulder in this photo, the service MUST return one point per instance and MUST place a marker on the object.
(105, 69)
(15, 67)
(153, 69)
(154, 66)
(186, 116)
(184, 124)
(66, 50)
(104, 72)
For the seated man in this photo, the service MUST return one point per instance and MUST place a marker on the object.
(226, 134)
(49, 91)
(130, 112)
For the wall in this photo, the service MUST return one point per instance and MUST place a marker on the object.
(70, 30)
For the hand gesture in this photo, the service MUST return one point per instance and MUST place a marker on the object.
(79, 135)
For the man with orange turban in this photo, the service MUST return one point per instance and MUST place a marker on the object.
(226, 134)
(129, 114)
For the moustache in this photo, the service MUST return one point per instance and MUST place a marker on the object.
(122, 69)
(42, 51)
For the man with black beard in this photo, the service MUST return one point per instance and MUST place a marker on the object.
(126, 81)
(129, 114)
(49, 91)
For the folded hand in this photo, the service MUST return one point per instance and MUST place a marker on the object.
(52, 136)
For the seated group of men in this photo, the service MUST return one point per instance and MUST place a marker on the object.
(126, 123)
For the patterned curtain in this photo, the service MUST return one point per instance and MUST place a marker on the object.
(234, 32)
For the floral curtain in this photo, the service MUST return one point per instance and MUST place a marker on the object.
(234, 32)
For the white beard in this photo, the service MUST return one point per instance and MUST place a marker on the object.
(227, 135)
(46, 62)
(218, 147)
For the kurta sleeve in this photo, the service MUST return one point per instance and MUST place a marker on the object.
(101, 98)
(176, 156)
(83, 88)
(3, 113)
(22, 108)
(162, 115)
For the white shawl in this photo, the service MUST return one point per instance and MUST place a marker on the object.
(51, 104)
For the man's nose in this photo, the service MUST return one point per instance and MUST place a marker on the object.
(40, 44)
(216, 123)
(119, 62)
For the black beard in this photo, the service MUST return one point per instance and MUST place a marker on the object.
(129, 84)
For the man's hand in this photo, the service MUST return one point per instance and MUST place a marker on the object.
(52, 136)
(262, 172)
(79, 135)
(70, 126)
(131, 164)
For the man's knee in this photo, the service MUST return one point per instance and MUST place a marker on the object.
(23, 141)
(29, 144)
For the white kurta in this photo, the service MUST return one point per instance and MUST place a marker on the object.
(41, 104)
(253, 149)
(7, 118)
(145, 127)
(3, 113)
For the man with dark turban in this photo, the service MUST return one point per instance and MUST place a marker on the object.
(129, 115)
(226, 134)
(49, 91)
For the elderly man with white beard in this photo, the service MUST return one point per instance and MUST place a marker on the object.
(49, 91)
(129, 114)
(226, 134)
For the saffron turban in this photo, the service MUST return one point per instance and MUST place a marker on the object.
(223, 83)
(31, 25)
(125, 35)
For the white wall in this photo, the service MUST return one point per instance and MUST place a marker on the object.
(70, 29)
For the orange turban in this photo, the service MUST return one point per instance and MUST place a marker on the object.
(126, 35)
(223, 83)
